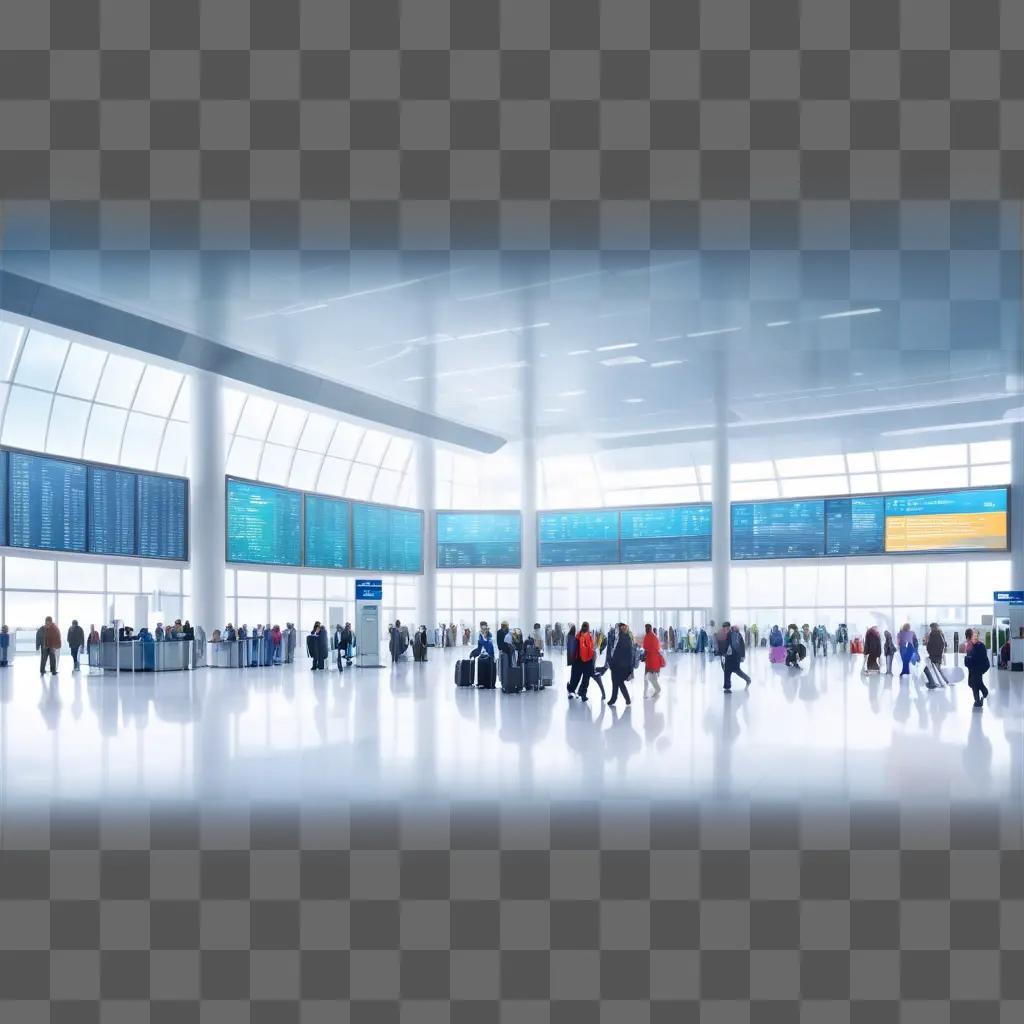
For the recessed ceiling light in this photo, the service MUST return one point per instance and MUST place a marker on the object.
(622, 361)
(669, 337)
(571, 394)
(858, 373)
(615, 348)
(779, 323)
(850, 312)
(667, 362)
(554, 410)
(633, 401)
(580, 352)
(718, 330)
(409, 380)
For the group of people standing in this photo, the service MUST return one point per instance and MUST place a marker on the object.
(622, 657)
(319, 644)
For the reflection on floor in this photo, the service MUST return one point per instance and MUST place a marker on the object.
(825, 732)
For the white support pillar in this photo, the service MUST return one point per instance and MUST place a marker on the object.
(720, 521)
(1017, 507)
(426, 495)
(528, 475)
(206, 514)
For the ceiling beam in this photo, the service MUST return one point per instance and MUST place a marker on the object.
(64, 309)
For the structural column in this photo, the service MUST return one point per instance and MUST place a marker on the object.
(206, 514)
(1017, 507)
(528, 473)
(426, 488)
(720, 522)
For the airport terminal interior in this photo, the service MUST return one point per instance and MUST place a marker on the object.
(511, 511)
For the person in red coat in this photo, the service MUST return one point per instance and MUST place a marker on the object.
(654, 661)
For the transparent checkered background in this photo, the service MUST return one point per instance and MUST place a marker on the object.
(629, 910)
(877, 145)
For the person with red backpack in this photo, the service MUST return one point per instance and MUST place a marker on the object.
(586, 653)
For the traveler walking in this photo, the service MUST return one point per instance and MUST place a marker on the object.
(654, 661)
(575, 668)
(889, 650)
(76, 641)
(977, 664)
(872, 650)
(620, 662)
(733, 651)
(586, 654)
(49, 646)
(906, 642)
(935, 645)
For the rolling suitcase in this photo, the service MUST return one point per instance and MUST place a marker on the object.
(512, 680)
(486, 673)
(777, 655)
(933, 677)
(547, 673)
(531, 675)
(464, 672)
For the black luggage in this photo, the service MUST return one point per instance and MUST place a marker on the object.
(464, 672)
(512, 679)
(486, 672)
(531, 675)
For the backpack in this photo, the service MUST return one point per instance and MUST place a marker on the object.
(585, 647)
(737, 645)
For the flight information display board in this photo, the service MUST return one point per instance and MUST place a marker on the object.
(387, 539)
(963, 520)
(855, 526)
(665, 533)
(578, 538)
(778, 529)
(479, 540)
(47, 503)
(326, 532)
(111, 511)
(3, 497)
(162, 515)
(264, 524)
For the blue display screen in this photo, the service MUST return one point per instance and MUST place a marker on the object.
(47, 503)
(326, 532)
(670, 533)
(855, 526)
(387, 539)
(264, 524)
(3, 497)
(479, 540)
(578, 538)
(778, 529)
(111, 511)
(162, 514)
(405, 542)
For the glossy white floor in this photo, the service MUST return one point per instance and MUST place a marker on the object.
(826, 732)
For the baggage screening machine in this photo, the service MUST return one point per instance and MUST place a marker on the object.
(1008, 614)
(369, 594)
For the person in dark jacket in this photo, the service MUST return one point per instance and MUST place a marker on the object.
(502, 633)
(889, 650)
(575, 668)
(977, 664)
(935, 645)
(76, 641)
(395, 641)
(420, 644)
(323, 646)
(872, 650)
(51, 646)
(5, 646)
(620, 662)
(733, 651)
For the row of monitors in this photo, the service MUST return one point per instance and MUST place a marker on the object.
(976, 519)
(278, 526)
(64, 505)
(630, 536)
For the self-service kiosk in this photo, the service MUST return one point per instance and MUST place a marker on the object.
(369, 595)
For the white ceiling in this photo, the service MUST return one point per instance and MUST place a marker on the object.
(623, 353)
